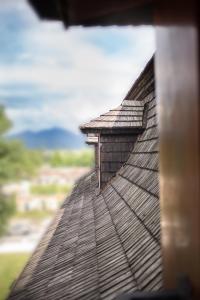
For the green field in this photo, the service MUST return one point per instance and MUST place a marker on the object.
(34, 215)
(10, 267)
(51, 189)
(73, 158)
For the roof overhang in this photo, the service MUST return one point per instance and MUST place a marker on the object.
(91, 13)
(103, 130)
(46, 9)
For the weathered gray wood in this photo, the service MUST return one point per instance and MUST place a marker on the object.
(115, 150)
(102, 245)
(128, 114)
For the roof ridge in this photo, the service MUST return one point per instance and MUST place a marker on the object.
(87, 195)
(139, 219)
(129, 265)
(142, 188)
(97, 199)
(142, 75)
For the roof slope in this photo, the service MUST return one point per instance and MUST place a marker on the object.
(57, 249)
(128, 115)
(106, 244)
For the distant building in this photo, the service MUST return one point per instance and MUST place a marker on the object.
(26, 201)
(60, 176)
(30, 202)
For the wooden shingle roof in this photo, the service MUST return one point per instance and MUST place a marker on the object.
(129, 115)
(101, 245)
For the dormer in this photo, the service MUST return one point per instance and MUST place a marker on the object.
(113, 134)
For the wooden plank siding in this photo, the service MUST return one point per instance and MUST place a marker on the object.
(115, 150)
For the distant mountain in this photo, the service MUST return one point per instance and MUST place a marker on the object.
(54, 138)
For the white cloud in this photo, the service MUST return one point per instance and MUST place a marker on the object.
(89, 78)
(59, 114)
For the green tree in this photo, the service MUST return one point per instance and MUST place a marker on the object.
(7, 209)
(82, 158)
(5, 123)
(5, 203)
(56, 160)
(15, 162)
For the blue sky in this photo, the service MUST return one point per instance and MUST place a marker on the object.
(52, 77)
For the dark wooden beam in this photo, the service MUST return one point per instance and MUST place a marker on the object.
(124, 130)
(177, 82)
(91, 13)
(46, 9)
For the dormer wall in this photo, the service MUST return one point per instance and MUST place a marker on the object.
(96, 156)
(114, 150)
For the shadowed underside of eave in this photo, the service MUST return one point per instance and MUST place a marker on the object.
(91, 13)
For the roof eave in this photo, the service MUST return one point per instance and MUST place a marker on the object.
(116, 130)
(91, 13)
(91, 143)
(46, 9)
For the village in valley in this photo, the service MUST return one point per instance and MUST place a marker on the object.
(46, 191)
(36, 201)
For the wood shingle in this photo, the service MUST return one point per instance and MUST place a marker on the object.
(102, 245)
(128, 115)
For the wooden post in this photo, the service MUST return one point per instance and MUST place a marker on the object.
(177, 84)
